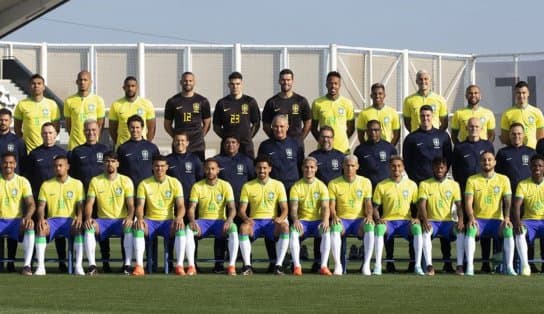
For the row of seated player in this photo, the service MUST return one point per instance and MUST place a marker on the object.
(396, 208)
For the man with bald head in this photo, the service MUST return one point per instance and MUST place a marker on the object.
(80, 107)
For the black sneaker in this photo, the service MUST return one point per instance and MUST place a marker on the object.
(247, 270)
(486, 268)
(27, 271)
(315, 268)
(411, 267)
(126, 270)
(62, 267)
(106, 268)
(353, 252)
(218, 268)
(11, 267)
(271, 268)
(390, 267)
(448, 268)
(92, 270)
(278, 270)
(304, 253)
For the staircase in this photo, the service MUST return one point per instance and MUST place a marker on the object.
(14, 91)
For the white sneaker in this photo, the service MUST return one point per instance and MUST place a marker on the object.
(366, 270)
(511, 272)
(78, 271)
(338, 271)
(377, 271)
(526, 271)
(40, 271)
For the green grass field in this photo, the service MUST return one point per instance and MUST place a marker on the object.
(263, 293)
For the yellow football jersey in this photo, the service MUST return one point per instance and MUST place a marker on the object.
(33, 115)
(533, 198)
(530, 116)
(387, 116)
(263, 199)
(440, 197)
(488, 194)
(12, 195)
(309, 197)
(460, 119)
(212, 199)
(336, 114)
(111, 195)
(78, 109)
(123, 109)
(414, 102)
(396, 198)
(61, 197)
(350, 196)
(160, 197)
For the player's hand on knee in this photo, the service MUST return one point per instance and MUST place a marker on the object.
(77, 223)
(324, 225)
(368, 220)
(426, 226)
(128, 222)
(178, 224)
(88, 224)
(518, 227)
(226, 226)
(414, 221)
(298, 226)
(28, 223)
(460, 226)
(140, 224)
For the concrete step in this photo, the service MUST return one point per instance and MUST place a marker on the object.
(15, 93)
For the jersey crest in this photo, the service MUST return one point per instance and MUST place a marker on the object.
(295, 109)
(240, 169)
(245, 109)
(196, 107)
(188, 166)
(145, 154)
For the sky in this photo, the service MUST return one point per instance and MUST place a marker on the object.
(461, 26)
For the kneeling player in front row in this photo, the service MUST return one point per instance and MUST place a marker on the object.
(16, 195)
(351, 206)
(437, 195)
(530, 195)
(309, 204)
(263, 195)
(161, 196)
(114, 195)
(484, 195)
(396, 199)
(212, 195)
(64, 197)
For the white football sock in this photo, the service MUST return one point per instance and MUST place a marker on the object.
(245, 249)
(180, 241)
(233, 245)
(41, 244)
(509, 252)
(336, 243)
(325, 248)
(190, 246)
(78, 250)
(90, 247)
(521, 245)
(128, 243)
(378, 248)
(139, 247)
(460, 248)
(294, 242)
(282, 245)
(368, 241)
(28, 246)
(427, 248)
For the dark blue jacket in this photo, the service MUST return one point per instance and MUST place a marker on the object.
(40, 167)
(374, 160)
(329, 164)
(236, 170)
(187, 168)
(287, 156)
(466, 160)
(10, 142)
(86, 162)
(136, 159)
(515, 163)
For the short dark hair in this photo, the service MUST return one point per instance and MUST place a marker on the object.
(135, 117)
(439, 161)
(5, 111)
(334, 74)
(326, 128)
(187, 73)
(130, 78)
(181, 132)
(110, 155)
(209, 160)
(36, 76)
(9, 154)
(377, 86)
(537, 157)
(371, 122)
(486, 152)
(46, 124)
(235, 75)
(263, 158)
(286, 71)
(159, 157)
(516, 124)
(521, 84)
(426, 108)
(233, 136)
(60, 157)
